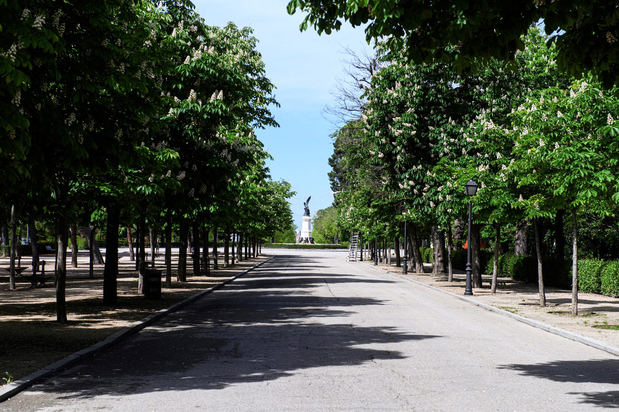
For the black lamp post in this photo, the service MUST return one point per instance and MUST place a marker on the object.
(405, 265)
(471, 189)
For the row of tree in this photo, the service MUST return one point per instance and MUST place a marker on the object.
(134, 113)
(540, 144)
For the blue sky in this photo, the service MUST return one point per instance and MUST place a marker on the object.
(305, 68)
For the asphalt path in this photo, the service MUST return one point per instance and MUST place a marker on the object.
(309, 331)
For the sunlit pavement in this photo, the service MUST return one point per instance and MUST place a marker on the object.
(309, 331)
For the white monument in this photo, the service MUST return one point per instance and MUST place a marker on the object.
(306, 226)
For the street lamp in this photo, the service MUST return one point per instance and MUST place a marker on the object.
(471, 189)
(405, 265)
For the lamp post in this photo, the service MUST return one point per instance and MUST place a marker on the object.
(405, 265)
(471, 189)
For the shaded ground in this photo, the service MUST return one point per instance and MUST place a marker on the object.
(598, 314)
(31, 339)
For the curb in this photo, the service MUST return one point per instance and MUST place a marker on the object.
(13, 388)
(536, 324)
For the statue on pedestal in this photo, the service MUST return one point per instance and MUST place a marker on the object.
(306, 227)
(306, 206)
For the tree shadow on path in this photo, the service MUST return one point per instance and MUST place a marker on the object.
(267, 326)
(603, 371)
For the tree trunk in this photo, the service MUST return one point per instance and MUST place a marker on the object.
(361, 250)
(239, 249)
(182, 253)
(189, 242)
(110, 272)
(4, 232)
(152, 242)
(414, 249)
(495, 264)
(61, 270)
(13, 249)
(520, 239)
(475, 256)
(233, 247)
(168, 249)
(196, 250)
(34, 244)
(142, 242)
(574, 264)
(450, 271)
(130, 242)
(540, 272)
(396, 248)
(91, 254)
(205, 233)
(215, 245)
(137, 246)
(246, 246)
(74, 250)
(438, 266)
(226, 249)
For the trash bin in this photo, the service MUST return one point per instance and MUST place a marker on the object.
(150, 283)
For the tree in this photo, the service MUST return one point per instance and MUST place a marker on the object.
(566, 156)
(325, 226)
(586, 38)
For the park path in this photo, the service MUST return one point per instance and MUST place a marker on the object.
(309, 331)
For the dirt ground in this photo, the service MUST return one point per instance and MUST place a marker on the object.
(31, 339)
(598, 316)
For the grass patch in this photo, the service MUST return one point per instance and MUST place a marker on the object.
(610, 327)
(605, 325)
(509, 309)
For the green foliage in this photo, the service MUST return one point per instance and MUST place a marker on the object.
(325, 226)
(6, 378)
(524, 268)
(427, 31)
(610, 279)
(426, 254)
(285, 236)
(589, 275)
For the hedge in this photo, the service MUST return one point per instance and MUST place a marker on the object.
(590, 275)
(609, 280)
(524, 268)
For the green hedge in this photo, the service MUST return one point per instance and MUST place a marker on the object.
(426, 254)
(590, 275)
(524, 268)
(609, 280)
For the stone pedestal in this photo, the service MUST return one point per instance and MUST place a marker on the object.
(306, 231)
